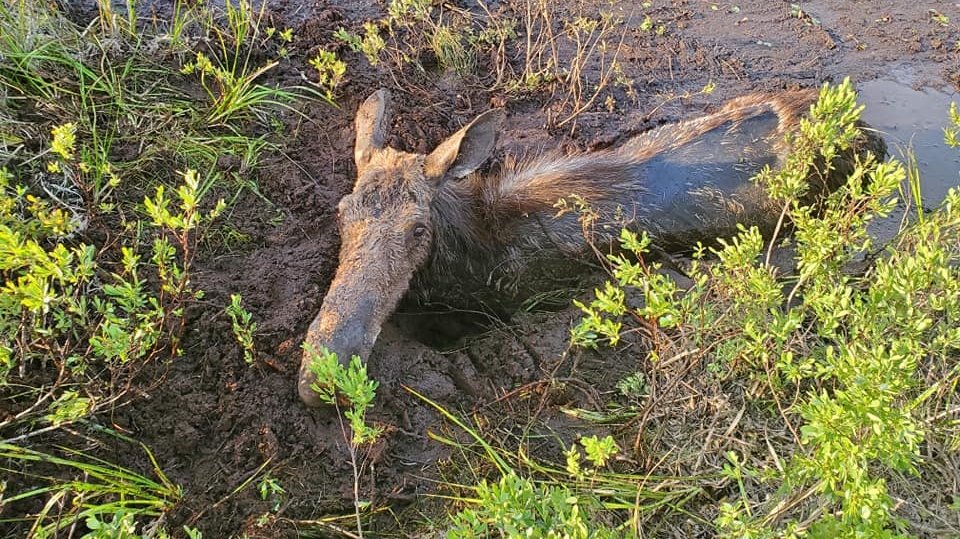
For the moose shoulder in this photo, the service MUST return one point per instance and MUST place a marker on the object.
(431, 222)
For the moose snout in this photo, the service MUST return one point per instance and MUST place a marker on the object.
(344, 343)
(309, 397)
(345, 334)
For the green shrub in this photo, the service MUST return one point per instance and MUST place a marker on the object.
(843, 355)
(517, 507)
(350, 387)
(75, 327)
(243, 326)
(95, 276)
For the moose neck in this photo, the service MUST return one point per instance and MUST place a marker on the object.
(496, 236)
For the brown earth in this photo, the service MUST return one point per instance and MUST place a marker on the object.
(215, 421)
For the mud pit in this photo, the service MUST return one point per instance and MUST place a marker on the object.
(215, 421)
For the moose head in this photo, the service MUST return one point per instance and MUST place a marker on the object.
(386, 228)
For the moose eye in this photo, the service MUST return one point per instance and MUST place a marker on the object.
(419, 230)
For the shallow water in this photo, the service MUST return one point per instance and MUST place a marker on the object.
(913, 119)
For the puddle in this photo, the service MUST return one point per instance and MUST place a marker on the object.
(910, 118)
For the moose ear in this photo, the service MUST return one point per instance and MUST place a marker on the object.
(467, 149)
(371, 126)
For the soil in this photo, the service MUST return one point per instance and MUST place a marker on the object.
(216, 421)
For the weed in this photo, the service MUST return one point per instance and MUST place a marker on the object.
(455, 40)
(449, 42)
(81, 318)
(517, 507)
(243, 327)
(330, 71)
(370, 44)
(285, 36)
(452, 51)
(634, 386)
(951, 133)
(270, 489)
(351, 383)
(120, 525)
(599, 451)
(580, 498)
(58, 310)
(110, 93)
(179, 226)
(232, 97)
(647, 24)
(596, 38)
(798, 12)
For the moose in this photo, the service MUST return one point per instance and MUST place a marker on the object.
(432, 225)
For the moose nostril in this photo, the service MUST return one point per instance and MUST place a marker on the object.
(309, 397)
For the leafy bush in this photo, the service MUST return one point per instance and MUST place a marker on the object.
(517, 506)
(75, 327)
(95, 275)
(847, 356)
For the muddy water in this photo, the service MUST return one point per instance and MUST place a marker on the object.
(913, 120)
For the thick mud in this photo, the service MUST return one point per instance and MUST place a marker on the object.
(215, 421)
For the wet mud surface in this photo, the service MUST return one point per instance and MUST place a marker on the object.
(215, 420)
